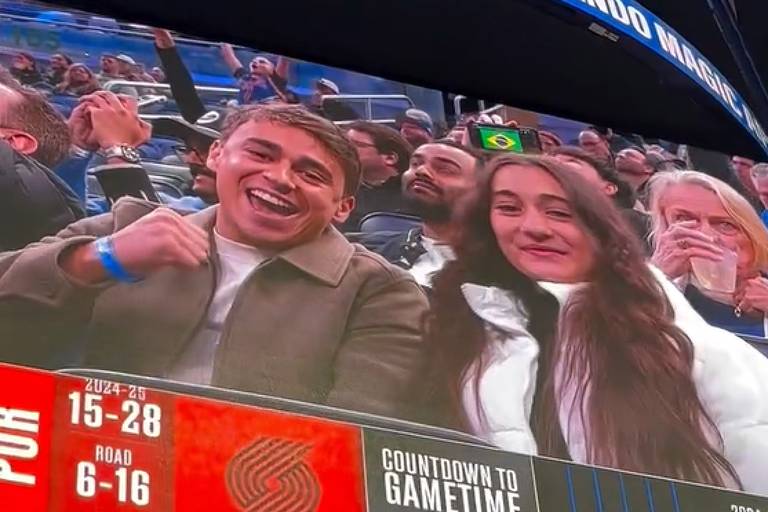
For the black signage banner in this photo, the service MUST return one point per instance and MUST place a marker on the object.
(406, 473)
(565, 487)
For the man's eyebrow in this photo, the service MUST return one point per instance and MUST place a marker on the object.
(315, 164)
(448, 161)
(266, 143)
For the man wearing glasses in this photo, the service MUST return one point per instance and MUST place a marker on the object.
(193, 150)
(384, 155)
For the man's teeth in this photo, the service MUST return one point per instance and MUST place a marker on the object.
(269, 198)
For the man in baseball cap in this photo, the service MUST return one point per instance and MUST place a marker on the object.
(331, 109)
(125, 65)
(325, 86)
(193, 151)
(416, 127)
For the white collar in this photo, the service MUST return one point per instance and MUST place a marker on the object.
(502, 309)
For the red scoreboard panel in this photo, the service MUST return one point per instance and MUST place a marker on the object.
(75, 444)
(84, 444)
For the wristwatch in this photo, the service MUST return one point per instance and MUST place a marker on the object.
(122, 151)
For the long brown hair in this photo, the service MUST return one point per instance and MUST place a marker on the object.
(615, 341)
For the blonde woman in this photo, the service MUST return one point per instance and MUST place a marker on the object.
(709, 240)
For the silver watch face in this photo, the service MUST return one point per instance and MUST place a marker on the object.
(130, 154)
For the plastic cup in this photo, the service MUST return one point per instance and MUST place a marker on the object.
(717, 276)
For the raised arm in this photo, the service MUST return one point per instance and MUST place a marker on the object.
(179, 77)
(230, 59)
(283, 67)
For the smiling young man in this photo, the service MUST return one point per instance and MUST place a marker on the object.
(259, 293)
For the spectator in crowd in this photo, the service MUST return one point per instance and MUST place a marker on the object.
(78, 80)
(457, 133)
(742, 168)
(140, 73)
(555, 338)
(710, 241)
(110, 69)
(662, 160)
(416, 127)
(384, 155)
(59, 64)
(131, 70)
(126, 67)
(549, 141)
(720, 166)
(634, 168)
(606, 179)
(113, 69)
(197, 141)
(331, 109)
(440, 174)
(262, 81)
(283, 175)
(32, 126)
(33, 139)
(24, 69)
(324, 87)
(122, 174)
(596, 144)
(106, 131)
(759, 175)
(618, 141)
(158, 75)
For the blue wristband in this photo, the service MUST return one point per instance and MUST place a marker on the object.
(106, 253)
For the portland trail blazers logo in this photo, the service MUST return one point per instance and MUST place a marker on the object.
(270, 475)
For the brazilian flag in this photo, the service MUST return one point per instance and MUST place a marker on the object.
(500, 139)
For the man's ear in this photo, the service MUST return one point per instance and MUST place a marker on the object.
(214, 155)
(610, 189)
(390, 159)
(22, 142)
(346, 205)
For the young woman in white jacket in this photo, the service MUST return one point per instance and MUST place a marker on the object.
(555, 337)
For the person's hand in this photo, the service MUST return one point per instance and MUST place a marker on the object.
(158, 240)
(80, 128)
(163, 38)
(753, 295)
(161, 239)
(115, 120)
(678, 244)
(227, 49)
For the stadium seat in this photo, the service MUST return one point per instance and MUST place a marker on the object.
(388, 221)
(167, 186)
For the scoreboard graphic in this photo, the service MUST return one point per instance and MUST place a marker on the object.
(79, 444)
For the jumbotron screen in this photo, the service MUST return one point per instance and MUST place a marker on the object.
(236, 280)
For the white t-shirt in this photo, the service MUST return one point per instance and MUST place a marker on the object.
(431, 262)
(237, 261)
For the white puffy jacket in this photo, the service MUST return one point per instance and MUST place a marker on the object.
(730, 376)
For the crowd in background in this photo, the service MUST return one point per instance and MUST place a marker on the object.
(393, 270)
